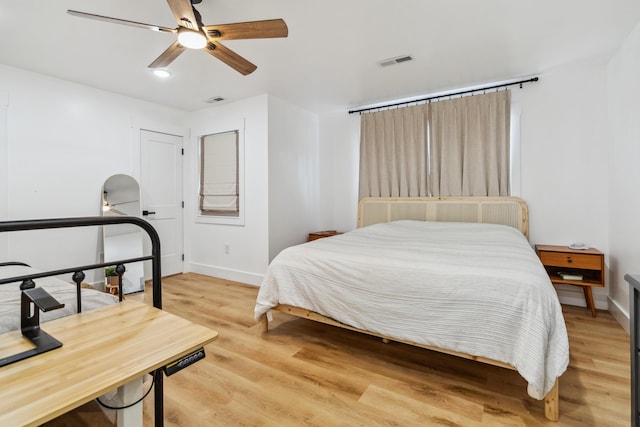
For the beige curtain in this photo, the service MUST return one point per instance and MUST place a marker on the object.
(469, 145)
(393, 153)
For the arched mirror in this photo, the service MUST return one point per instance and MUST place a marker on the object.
(121, 196)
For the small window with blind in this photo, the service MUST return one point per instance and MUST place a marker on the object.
(220, 184)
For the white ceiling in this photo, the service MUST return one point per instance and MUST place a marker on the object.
(328, 62)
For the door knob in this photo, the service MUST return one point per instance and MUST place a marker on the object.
(145, 213)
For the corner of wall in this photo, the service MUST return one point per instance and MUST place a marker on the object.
(623, 89)
(619, 314)
(4, 172)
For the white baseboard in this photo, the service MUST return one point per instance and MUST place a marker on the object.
(620, 314)
(574, 295)
(226, 273)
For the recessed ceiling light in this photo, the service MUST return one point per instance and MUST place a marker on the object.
(162, 73)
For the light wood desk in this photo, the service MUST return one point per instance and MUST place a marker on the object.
(102, 349)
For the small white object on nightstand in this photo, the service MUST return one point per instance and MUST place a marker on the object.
(579, 246)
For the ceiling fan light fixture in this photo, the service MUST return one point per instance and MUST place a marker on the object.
(191, 39)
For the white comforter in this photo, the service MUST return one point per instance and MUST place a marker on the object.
(473, 288)
(63, 292)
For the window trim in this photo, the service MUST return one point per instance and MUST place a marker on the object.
(223, 219)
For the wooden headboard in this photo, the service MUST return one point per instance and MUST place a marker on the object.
(511, 211)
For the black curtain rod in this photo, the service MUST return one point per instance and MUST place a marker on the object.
(446, 95)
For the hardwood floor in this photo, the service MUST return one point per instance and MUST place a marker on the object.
(306, 373)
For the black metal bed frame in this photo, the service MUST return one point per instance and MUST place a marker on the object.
(78, 272)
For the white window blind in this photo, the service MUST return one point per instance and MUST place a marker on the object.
(219, 186)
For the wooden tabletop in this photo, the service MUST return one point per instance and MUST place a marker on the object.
(567, 249)
(102, 350)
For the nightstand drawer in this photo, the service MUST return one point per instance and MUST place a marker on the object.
(558, 259)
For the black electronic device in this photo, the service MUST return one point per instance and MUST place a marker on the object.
(34, 300)
(184, 361)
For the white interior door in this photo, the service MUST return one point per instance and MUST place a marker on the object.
(161, 195)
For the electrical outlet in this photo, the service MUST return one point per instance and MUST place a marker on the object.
(227, 249)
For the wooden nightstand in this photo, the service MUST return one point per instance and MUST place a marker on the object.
(320, 234)
(589, 263)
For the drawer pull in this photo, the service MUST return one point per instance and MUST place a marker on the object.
(569, 260)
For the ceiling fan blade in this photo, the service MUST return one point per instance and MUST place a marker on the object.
(269, 28)
(120, 21)
(168, 55)
(230, 58)
(113, 212)
(183, 11)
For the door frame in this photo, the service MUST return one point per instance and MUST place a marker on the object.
(155, 126)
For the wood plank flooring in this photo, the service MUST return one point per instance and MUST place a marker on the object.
(307, 374)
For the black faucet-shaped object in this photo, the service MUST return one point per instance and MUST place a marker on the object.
(33, 300)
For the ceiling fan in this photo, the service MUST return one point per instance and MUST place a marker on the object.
(191, 33)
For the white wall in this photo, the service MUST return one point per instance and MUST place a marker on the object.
(624, 191)
(248, 255)
(280, 185)
(563, 168)
(294, 187)
(564, 173)
(339, 165)
(63, 141)
(4, 173)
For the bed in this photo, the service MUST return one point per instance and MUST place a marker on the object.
(64, 292)
(470, 284)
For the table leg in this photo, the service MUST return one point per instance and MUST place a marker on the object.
(551, 403)
(588, 296)
(130, 392)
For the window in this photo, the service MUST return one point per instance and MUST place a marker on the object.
(219, 174)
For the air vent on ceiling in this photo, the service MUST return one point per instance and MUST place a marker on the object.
(394, 61)
(214, 99)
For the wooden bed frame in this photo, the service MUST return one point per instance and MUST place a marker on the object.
(510, 211)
